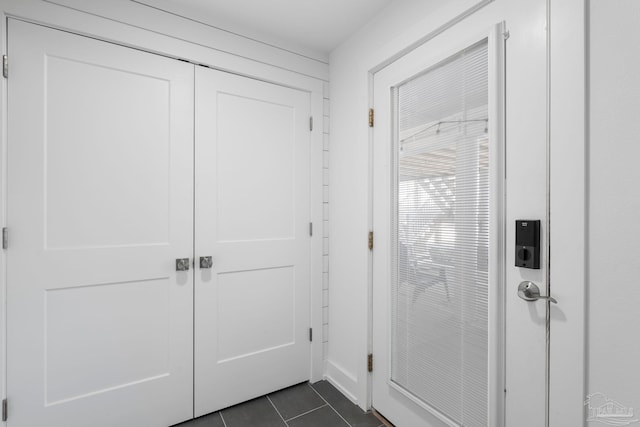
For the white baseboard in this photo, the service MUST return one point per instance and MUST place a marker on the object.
(342, 380)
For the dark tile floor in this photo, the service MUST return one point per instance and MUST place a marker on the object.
(303, 405)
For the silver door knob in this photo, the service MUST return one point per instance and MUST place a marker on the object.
(182, 264)
(529, 291)
(206, 262)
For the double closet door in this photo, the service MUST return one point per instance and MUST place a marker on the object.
(121, 163)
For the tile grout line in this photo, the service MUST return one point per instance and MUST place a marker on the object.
(274, 407)
(308, 412)
(327, 402)
(224, 423)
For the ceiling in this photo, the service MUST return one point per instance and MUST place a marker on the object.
(310, 27)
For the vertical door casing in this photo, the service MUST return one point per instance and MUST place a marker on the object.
(252, 218)
(100, 200)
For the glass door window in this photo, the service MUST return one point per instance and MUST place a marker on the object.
(440, 237)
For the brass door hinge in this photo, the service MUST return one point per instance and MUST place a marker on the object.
(371, 240)
(370, 363)
(371, 117)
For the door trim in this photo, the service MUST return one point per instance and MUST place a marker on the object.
(496, 38)
(498, 239)
(569, 144)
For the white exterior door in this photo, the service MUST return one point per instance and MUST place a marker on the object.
(100, 200)
(452, 342)
(252, 218)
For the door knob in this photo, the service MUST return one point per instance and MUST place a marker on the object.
(529, 291)
(182, 264)
(206, 262)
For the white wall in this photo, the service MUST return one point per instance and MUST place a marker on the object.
(325, 221)
(613, 254)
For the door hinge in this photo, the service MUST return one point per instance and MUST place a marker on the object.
(5, 66)
(370, 363)
(371, 117)
(371, 240)
(4, 409)
(310, 229)
(5, 238)
(311, 123)
(506, 34)
(311, 334)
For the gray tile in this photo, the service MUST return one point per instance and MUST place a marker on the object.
(254, 413)
(349, 411)
(210, 420)
(296, 400)
(322, 417)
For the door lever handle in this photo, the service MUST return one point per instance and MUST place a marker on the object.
(529, 291)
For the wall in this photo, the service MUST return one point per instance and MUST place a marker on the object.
(613, 204)
(397, 29)
(325, 221)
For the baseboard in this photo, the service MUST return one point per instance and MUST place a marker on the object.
(342, 380)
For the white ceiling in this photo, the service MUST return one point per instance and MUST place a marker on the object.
(310, 27)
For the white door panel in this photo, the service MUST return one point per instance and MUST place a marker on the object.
(99, 207)
(252, 218)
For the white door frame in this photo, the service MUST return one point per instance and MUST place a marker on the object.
(111, 30)
(497, 266)
(569, 140)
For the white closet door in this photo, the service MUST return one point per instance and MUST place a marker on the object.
(100, 200)
(252, 218)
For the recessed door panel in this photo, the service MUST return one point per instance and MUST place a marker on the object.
(110, 136)
(98, 338)
(256, 312)
(256, 198)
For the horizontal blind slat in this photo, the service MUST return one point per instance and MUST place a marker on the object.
(441, 237)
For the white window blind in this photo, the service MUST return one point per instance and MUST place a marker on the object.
(439, 348)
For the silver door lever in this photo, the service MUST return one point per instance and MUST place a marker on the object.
(529, 291)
